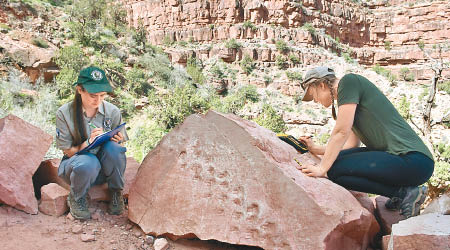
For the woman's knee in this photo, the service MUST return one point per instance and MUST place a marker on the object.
(113, 149)
(86, 166)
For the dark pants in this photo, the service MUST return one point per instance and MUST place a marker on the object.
(379, 172)
(85, 170)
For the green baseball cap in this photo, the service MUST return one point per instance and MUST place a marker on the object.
(93, 80)
(315, 73)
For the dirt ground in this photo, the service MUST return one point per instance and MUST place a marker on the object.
(19, 230)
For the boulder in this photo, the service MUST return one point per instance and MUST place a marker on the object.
(221, 177)
(440, 205)
(386, 217)
(364, 200)
(53, 201)
(428, 231)
(22, 148)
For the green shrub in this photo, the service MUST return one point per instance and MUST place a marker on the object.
(168, 41)
(282, 46)
(439, 182)
(125, 101)
(421, 44)
(269, 119)
(444, 86)
(294, 75)
(38, 110)
(267, 80)
(247, 64)
(403, 108)
(387, 45)
(237, 99)
(71, 57)
(424, 93)
(233, 44)
(144, 135)
(64, 82)
(310, 28)
(348, 58)
(218, 72)
(444, 151)
(137, 82)
(406, 75)
(294, 59)
(172, 108)
(249, 92)
(386, 73)
(41, 43)
(281, 62)
(194, 69)
(249, 25)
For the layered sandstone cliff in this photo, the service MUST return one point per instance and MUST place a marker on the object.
(374, 32)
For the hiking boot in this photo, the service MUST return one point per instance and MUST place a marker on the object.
(78, 208)
(414, 198)
(393, 203)
(116, 205)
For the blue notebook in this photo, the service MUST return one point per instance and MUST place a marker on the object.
(100, 139)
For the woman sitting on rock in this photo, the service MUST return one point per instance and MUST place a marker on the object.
(77, 124)
(395, 160)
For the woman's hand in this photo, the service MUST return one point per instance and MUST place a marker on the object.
(313, 171)
(117, 137)
(95, 132)
(312, 147)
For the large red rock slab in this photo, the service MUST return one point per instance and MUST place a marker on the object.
(53, 201)
(428, 231)
(386, 217)
(224, 178)
(22, 148)
(101, 193)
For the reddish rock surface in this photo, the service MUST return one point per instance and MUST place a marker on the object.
(440, 205)
(22, 148)
(378, 32)
(428, 231)
(221, 177)
(386, 217)
(53, 201)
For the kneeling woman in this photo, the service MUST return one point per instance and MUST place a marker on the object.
(394, 162)
(77, 124)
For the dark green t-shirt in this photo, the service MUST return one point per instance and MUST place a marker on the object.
(377, 123)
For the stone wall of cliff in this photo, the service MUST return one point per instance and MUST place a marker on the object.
(375, 33)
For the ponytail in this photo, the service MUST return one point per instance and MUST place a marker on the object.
(78, 120)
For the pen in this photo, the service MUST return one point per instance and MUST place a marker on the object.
(92, 125)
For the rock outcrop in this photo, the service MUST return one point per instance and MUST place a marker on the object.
(377, 32)
(386, 217)
(221, 177)
(22, 148)
(53, 200)
(428, 231)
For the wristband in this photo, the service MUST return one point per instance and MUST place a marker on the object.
(87, 141)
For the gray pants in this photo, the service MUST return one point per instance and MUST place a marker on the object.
(86, 170)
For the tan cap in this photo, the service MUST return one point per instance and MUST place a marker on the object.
(315, 73)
